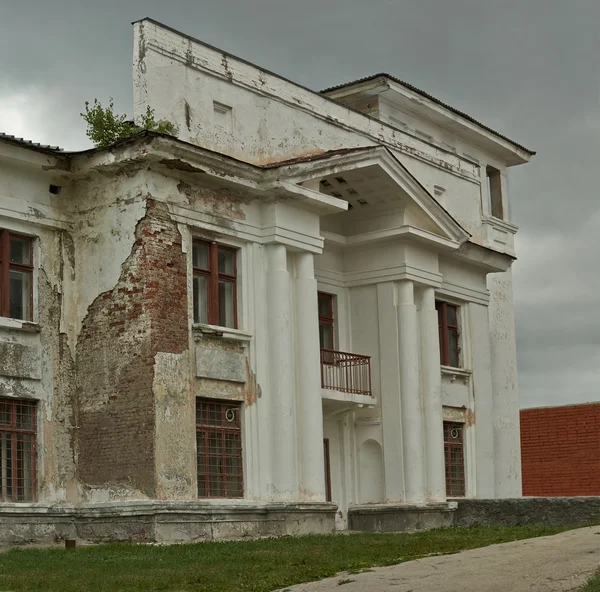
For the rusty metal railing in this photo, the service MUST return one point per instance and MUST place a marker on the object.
(345, 372)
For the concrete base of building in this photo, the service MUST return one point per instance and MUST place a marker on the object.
(161, 522)
(549, 511)
(401, 517)
(170, 522)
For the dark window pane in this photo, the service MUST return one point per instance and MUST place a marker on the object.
(226, 261)
(200, 256)
(451, 314)
(326, 336)
(20, 294)
(200, 299)
(4, 413)
(24, 479)
(325, 305)
(20, 250)
(202, 489)
(455, 462)
(5, 467)
(226, 304)
(25, 416)
(219, 449)
(17, 450)
(453, 358)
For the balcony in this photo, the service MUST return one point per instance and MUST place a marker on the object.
(346, 373)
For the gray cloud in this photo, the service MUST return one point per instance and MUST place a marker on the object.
(528, 68)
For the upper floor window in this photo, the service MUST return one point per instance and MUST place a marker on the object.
(215, 284)
(326, 321)
(17, 450)
(494, 180)
(16, 276)
(449, 333)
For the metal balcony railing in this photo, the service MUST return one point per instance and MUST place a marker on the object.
(344, 372)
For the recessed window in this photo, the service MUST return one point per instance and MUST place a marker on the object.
(455, 459)
(327, 460)
(17, 450)
(494, 181)
(448, 319)
(219, 448)
(215, 284)
(326, 321)
(16, 276)
(223, 115)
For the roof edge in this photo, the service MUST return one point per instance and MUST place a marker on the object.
(31, 145)
(433, 99)
(322, 93)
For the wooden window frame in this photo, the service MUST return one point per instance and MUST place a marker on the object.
(444, 332)
(451, 444)
(14, 433)
(5, 268)
(329, 319)
(226, 426)
(214, 276)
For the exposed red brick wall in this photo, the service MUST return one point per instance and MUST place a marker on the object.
(145, 313)
(560, 450)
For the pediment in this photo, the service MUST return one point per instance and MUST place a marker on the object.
(382, 194)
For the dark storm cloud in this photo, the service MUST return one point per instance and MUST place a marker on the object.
(528, 68)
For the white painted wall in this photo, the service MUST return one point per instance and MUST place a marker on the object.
(379, 285)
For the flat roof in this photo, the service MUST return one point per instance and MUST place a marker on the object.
(431, 98)
(347, 84)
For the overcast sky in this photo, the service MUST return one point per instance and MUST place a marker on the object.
(528, 68)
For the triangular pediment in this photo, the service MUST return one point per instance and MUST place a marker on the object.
(383, 196)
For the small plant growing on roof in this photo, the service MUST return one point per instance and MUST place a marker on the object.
(105, 127)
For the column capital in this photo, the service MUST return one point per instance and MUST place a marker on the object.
(427, 298)
(276, 257)
(305, 265)
(405, 290)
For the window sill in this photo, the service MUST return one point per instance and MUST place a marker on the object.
(222, 332)
(18, 325)
(454, 373)
(504, 224)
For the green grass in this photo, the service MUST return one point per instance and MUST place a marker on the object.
(251, 566)
(593, 585)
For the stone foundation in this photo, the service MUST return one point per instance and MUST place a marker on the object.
(162, 522)
(549, 511)
(401, 517)
(170, 522)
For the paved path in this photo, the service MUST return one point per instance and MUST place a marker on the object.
(558, 563)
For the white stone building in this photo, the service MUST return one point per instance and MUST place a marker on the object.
(297, 311)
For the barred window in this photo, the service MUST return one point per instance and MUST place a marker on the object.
(17, 450)
(219, 448)
(455, 459)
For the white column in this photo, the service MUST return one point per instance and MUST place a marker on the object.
(507, 441)
(310, 409)
(281, 376)
(431, 382)
(484, 407)
(389, 393)
(412, 411)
